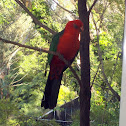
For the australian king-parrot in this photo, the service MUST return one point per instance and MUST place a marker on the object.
(67, 44)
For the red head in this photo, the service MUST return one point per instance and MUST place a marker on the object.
(75, 26)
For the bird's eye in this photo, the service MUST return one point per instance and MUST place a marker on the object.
(75, 26)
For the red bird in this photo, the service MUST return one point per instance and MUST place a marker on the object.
(67, 44)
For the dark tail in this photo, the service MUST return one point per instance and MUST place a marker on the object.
(51, 92)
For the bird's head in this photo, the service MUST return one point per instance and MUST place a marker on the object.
(75, 26)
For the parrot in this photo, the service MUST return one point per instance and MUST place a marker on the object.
(67, 44)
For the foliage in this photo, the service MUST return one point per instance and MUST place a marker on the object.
(8, 112)
(10, 116)
(65, 95)
(103, 111)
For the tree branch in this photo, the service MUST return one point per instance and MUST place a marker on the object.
(95, 75)
(13, 82)
(46, 51)
(65, 9)
(92, 6)
(115, 67)
(36, 21)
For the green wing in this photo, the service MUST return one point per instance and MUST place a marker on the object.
(53, 46)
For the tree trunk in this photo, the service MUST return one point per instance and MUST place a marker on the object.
(85, 93)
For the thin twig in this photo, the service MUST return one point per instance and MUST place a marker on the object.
(18, 85)
(16, 75)
(62, 7)
(114, 67)
(13, 82)
(95, 75)
(65, 9)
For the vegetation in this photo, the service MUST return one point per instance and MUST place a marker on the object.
(22, 70)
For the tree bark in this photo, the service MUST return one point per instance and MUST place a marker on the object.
(85, 93)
